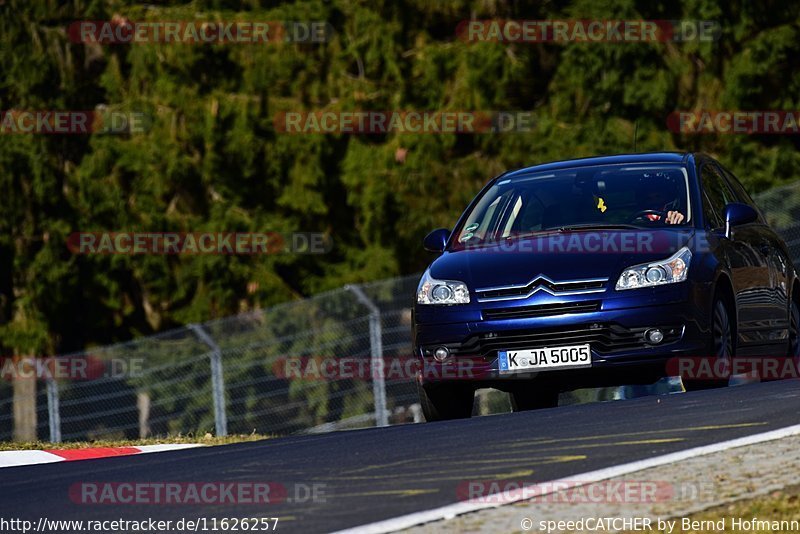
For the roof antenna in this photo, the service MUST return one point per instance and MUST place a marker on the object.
(635, 134)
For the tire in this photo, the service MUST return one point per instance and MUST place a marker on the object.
(442, 402)
(793, 348)
(794, 335)
(723, 345)
(522, 401)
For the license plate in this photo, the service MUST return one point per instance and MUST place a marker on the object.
(544, 359)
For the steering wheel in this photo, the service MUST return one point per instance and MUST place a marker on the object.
(662, 215)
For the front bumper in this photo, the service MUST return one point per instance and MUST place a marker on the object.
(613, 327)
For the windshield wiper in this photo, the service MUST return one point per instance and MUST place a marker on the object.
(512, 237)
(593, 226)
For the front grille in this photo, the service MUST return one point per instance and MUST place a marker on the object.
(604, 339)
(541, 310)
(571, 287)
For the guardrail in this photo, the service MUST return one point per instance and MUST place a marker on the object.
(225, 375)
(229, 375)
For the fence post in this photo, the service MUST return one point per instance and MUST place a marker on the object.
(53, 411)
(143, 408)
(376, 355)
(217, 380)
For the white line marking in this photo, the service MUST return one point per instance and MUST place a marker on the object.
(168, 447)
(452, 510)
(33, 457)
(17, 458)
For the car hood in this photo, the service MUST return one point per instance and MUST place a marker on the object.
(558, 256)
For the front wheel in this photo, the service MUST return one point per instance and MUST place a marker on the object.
(723, 345)
(441, 402)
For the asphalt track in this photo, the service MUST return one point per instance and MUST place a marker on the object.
(376, 474)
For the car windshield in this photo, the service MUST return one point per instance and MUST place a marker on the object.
(615, 196)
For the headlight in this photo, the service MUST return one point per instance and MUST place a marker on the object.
(669, 271)
(432, 291)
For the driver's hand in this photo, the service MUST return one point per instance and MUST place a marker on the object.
(674, 217)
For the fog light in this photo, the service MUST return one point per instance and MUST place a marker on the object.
(654, 336)
(441, 354)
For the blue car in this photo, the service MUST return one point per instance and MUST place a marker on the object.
(596, 272)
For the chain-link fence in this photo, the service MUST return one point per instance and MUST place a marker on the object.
(781, 207)
(296, 367)
(301, 366)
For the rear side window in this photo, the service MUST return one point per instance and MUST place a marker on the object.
(741, 193)
(717, 194)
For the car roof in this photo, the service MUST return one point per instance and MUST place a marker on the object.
(648, 157)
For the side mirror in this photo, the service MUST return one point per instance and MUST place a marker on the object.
(436, 240)
(737, 214)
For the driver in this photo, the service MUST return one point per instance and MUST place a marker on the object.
(658, 199)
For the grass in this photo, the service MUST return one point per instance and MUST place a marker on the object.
(782, 505)
(777, 506)
(206, 439)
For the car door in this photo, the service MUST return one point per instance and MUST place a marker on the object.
(779, 263)
(749, 267)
